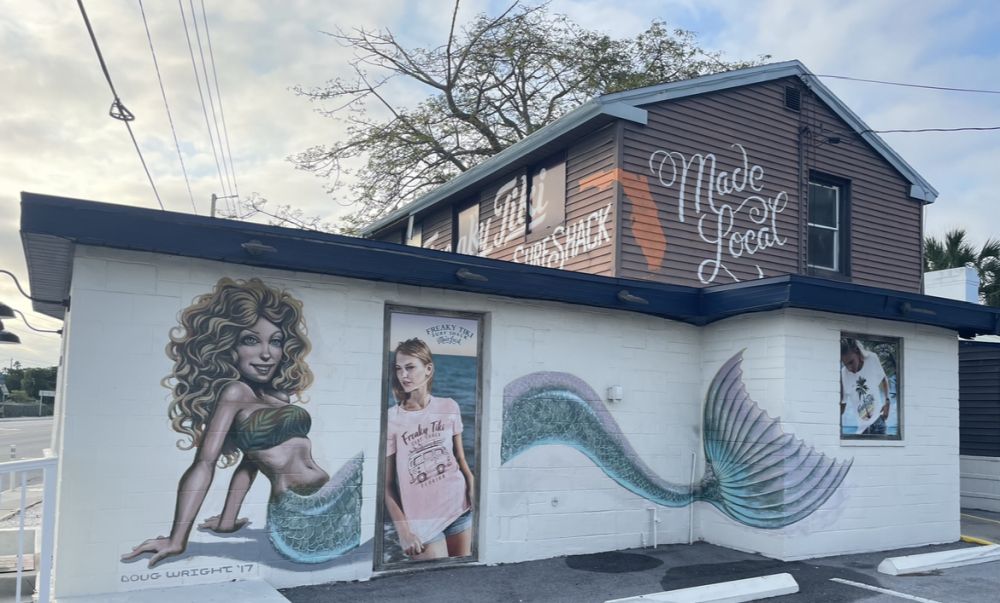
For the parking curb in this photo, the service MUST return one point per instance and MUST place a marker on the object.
(735, 591)
(914, 564)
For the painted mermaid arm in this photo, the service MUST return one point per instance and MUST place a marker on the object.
(196, 480)
(229, 520)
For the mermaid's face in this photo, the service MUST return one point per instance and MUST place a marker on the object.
(411, 372)
(258, 351)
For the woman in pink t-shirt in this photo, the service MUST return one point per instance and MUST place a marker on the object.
(428, 483)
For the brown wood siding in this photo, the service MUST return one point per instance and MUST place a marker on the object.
(658, 245)
(585, 240)
(437, 229)
(885, 223)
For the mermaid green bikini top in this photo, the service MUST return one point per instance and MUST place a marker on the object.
(268, 427)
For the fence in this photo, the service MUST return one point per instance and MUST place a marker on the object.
(17, 474)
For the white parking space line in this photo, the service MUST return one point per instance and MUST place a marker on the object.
(885, 591)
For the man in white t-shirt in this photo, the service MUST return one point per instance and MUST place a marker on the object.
(864, 389)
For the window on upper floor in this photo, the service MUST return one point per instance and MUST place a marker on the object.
(828, 224)
(467, 230)
(547, 198)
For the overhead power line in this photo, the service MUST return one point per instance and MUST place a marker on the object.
(924, 86)
(218, 95)
(118, 110)
(907, 85)
(201, 96)
(208, 92)
(166, 105)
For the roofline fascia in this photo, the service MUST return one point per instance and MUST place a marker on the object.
(563, 126)
(707, 83)
(920, 189)
(213, 239)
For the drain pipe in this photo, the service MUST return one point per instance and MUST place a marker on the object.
(653, 520)
(694, 461)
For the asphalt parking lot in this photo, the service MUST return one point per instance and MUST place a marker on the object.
(603, 576)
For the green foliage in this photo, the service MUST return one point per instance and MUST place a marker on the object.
(955, 251)
(29, 381)
(490, 84)
(19, 396)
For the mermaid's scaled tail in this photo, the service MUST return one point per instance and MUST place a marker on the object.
(558, 408)
(757, 474)
(320, 526)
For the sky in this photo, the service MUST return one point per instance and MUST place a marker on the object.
(56, 137)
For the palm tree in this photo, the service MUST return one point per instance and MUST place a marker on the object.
(955, 251)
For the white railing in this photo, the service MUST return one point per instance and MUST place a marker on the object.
(16, 474)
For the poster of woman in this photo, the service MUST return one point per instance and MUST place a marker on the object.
(870, 386)
(429, 433)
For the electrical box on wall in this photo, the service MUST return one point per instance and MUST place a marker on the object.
(614, 394)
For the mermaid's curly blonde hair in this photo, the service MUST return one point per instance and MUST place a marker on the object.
(203, 348)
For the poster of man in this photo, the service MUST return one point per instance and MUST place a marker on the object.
(430, 416)
(870, 387)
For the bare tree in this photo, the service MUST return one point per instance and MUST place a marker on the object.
(493, 82)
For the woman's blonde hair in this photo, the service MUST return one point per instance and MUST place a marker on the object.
(203, 348)
(421, 351)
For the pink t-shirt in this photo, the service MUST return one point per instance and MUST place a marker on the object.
(431, 485)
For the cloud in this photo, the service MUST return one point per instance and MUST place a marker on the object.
(59, 140)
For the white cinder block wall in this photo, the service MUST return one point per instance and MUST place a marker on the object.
(897, 493)
(119, 463)
(552, 500)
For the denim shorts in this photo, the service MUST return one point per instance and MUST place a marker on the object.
(876, 428)
(463, 523)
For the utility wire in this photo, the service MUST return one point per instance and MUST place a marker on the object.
(218, 94)
(17, 283)
(970, 129)
(201, 96)
(163, 93)
(25, 319)
(118, 110)
(945, 88)
(924, 86)
(208, 91)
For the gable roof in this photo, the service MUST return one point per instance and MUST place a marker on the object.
(628, 105)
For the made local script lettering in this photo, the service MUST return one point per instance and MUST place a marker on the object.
(716, 218)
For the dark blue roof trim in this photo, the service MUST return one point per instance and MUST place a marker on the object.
(45, 219)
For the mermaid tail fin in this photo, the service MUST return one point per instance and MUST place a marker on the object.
(317, 527)
(558, 408)
(758, 474)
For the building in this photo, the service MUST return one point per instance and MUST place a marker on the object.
(721, 179)
(745, 388)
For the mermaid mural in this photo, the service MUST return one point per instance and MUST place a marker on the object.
(239, 372)
(755, 473)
